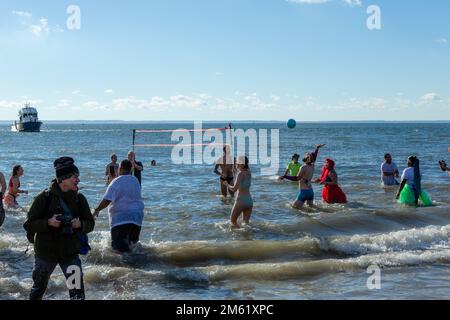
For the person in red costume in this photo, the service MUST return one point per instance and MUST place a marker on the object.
(331, 193)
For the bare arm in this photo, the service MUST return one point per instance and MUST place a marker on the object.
(2, 184)
(103, 205)
(334, 179)
(216, 170)
(236, 185)
(402, 185)
(15, 187)
(138, 167)
(316, 152)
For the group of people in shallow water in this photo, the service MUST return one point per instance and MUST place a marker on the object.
(60, 216)
(303, 174)
(235, 176)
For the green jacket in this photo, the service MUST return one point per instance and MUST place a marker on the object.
(49, 243)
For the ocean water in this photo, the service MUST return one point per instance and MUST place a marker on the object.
(187, 249)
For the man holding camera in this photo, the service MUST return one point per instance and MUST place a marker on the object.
(57, 219)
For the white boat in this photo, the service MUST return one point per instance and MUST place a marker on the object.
(28, 120)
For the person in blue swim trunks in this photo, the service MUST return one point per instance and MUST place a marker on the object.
(304, 177)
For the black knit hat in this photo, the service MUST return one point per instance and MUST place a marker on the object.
(65, 168)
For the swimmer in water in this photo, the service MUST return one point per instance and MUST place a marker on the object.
(304, 177)
(292, 169)
(331, 192)
(411, 191)
(10, 199)
(389, 172)
(112, 170)
(226, 166)
(244, 201)
(444, 166)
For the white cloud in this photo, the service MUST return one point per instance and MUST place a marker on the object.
(204, 96)
(58, 29)
(218, 73)
(76, 92)
(91, 104)
(430, 97)
(187, 101)
(353, 3)
(16, 105)
(275, 98)
(42, 28)
(24, 14)
(308, 1)
(38, 27)
(256, 103)
(10, 104)
(442, 40)
(63, 103)
(157, 104)
(109, 91)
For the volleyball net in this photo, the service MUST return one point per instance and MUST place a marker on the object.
(138, 132)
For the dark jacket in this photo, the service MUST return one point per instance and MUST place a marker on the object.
(49, 243)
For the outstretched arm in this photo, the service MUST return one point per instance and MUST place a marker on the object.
(316, 152)
(87, 221)
(103, 205)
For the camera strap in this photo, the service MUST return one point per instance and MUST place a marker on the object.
(65, 207)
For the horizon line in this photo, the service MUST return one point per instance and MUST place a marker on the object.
(231, 121)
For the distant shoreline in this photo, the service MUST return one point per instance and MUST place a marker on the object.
(6, 122)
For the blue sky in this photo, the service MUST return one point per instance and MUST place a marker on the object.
(226, 59)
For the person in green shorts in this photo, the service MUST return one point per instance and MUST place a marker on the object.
(411, 191)
(292, 169)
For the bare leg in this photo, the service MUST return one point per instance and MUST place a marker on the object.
(298, 204)
(223, 188)
(311, 203)
(247, 215)
(238, 208)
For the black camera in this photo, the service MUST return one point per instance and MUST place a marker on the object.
(66, 224)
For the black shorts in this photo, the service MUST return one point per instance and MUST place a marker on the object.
(228, 179)
(123, 235)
